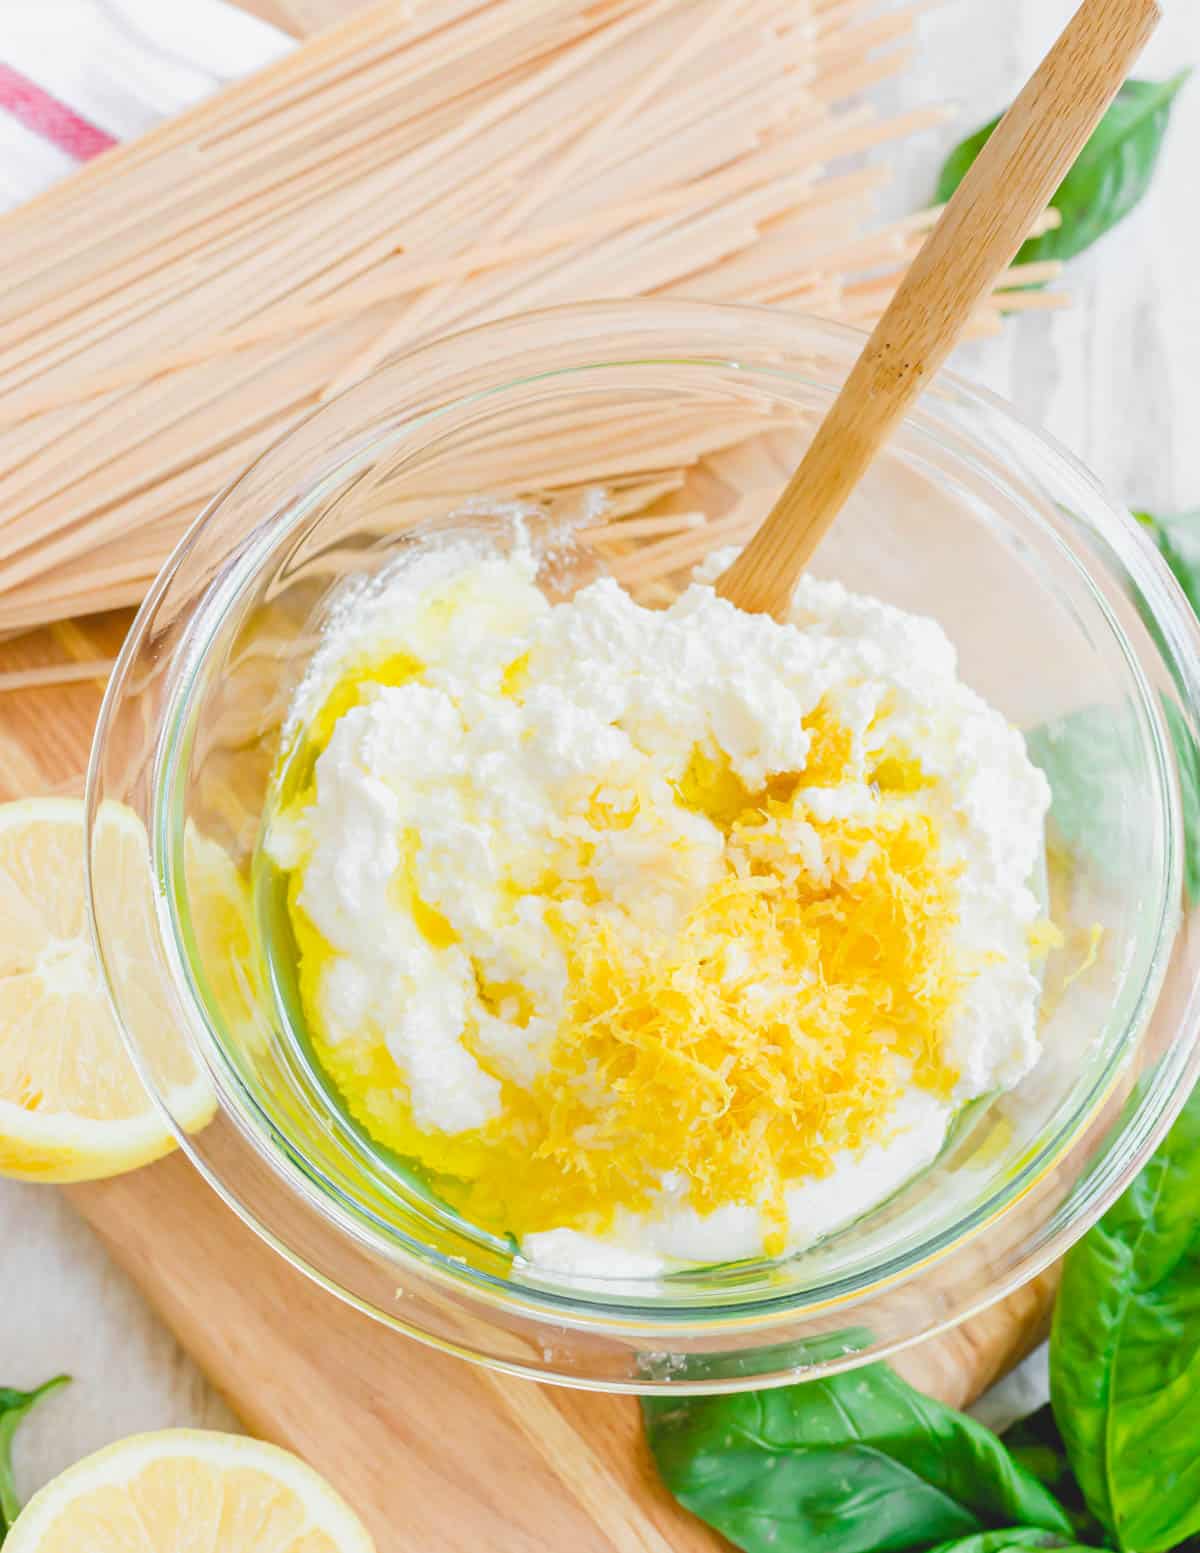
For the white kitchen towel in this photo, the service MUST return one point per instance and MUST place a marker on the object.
(1021, 1392)
(76, 76)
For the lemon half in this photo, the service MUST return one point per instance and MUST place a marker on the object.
(72, 1107)
(188, 1491)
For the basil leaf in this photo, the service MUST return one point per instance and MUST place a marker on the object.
(855, 1463)
(1125, 1351)
(1178, 539)
(14, 1405)
(795, 1355)
(1110, 175)
(1188, 757)
(1010, 1537)
(960, 161)
(1037, 1445)
(1082, 755)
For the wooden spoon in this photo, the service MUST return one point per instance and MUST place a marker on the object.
(1010, 184)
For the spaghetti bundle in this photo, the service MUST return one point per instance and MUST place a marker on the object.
(168, 311)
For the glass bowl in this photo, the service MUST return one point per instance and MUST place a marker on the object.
(1063, 617)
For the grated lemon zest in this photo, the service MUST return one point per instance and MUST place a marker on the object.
(1045, 936)
(1095, 939)
(516, 677)
(734, 1077)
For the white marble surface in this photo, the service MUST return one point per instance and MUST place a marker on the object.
(1116, 379)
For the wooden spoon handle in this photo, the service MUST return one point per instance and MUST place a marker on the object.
(1010, 184)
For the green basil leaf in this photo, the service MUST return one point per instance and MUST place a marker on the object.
(1125, 1352)
(853, 1463)
(1110, 175)
(1010, 1537)
(960, 161)
(1082, 755)
(797, 1355)
(14, 1406)
(1178, 539)
(1037, 1445)
(1188, 757)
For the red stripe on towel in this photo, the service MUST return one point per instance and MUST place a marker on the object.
(49, 118)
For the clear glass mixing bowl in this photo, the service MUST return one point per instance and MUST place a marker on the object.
(1063, 617)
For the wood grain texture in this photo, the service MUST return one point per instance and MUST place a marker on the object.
(1115, 379)
(1003, 193)
(433, 1452)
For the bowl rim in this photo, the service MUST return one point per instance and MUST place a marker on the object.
(1135, 552)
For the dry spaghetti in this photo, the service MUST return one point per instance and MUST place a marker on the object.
(173, 307)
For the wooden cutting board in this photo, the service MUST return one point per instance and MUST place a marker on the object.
(436, 1455)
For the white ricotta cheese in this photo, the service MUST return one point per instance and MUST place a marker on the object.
(451, 791)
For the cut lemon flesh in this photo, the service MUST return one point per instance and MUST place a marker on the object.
(72, 1106)
(189, 1491)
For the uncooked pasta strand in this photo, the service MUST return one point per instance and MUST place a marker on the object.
(176, 306)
